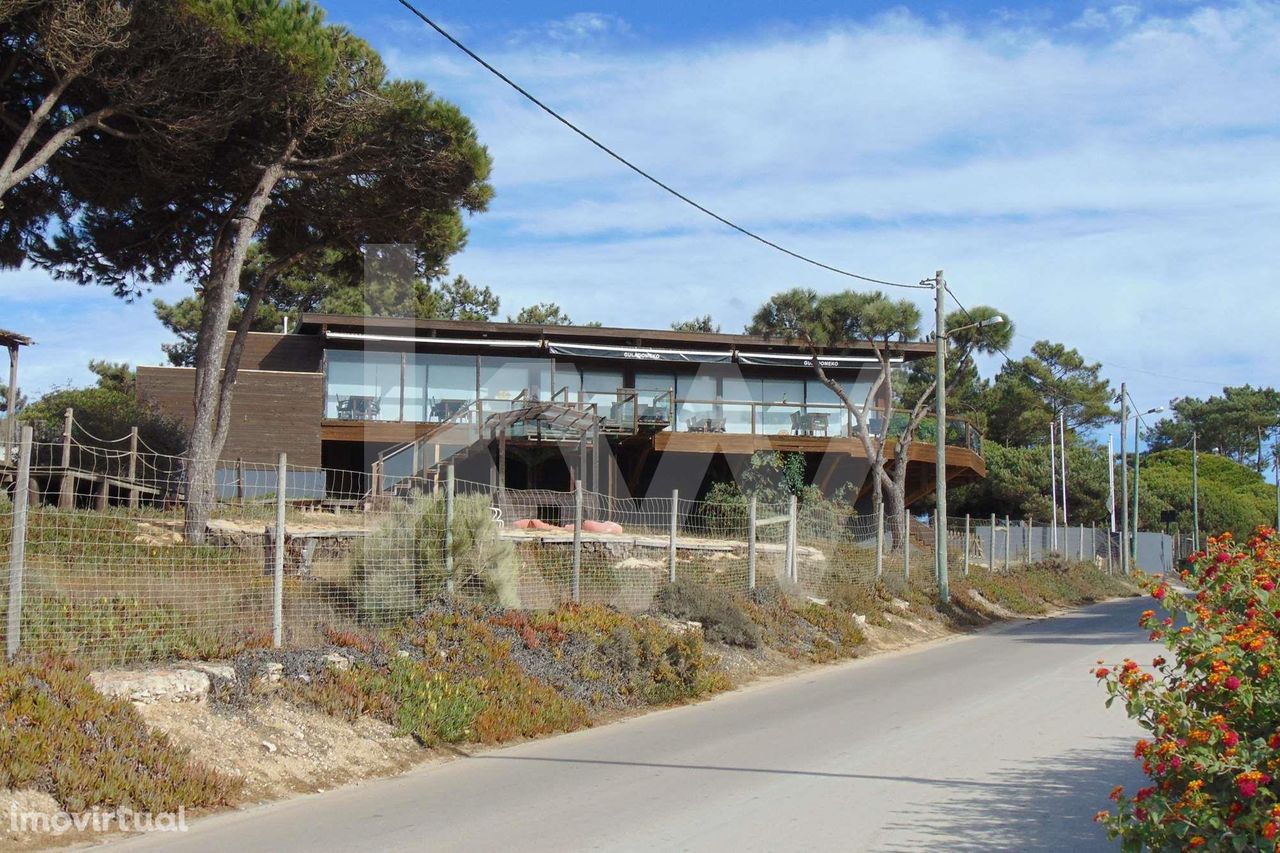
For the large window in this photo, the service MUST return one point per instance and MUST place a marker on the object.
(506, 378)
(362, 385)
(451, 383)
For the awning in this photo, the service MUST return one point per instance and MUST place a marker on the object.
(771, 359)
(411, 339)
(625, 353)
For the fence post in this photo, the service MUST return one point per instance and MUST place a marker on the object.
(1080, 550)
(577, 540)
(449, 489)
(937, 540)
(906, 550)
(1110, 565)
(880, 540)
(791, 540)
(1026, 555)
(277, 581)
(67, 489)
(671, 542)
(991, 555)
(966, 544)
(18, 544)
(1008, 535)
(133, 468)
(751, 544)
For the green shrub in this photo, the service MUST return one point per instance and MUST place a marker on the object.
(723, 512)
(400, 565)
(62, 737)
(723, 619)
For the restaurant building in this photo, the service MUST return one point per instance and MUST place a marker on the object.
(630, 412)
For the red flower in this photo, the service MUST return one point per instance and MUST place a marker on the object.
(1248, 787)
(1231, 738)
(1232, 683)
(1102, 672)
(1158, 593)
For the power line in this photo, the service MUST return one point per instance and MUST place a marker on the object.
(641, 172)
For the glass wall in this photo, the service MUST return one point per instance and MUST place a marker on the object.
(601, 387)
(450, 383)
(362, 385)
(504, 378)
(366, 385)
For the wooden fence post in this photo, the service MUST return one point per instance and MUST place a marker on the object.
(18, 545)
(751, 544)
(133, 468)
(67, 491)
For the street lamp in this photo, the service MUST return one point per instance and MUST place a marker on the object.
(941, 335)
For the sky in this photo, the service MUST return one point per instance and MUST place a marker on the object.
(1106, 175)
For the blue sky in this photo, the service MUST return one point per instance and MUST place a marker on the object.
(1105, 174)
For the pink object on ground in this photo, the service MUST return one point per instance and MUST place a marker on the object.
(534, 524)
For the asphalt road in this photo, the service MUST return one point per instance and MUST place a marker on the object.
(997, 741)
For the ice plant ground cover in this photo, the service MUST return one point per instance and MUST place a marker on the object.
(1211, 703)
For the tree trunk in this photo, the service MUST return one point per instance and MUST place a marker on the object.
(213, 385)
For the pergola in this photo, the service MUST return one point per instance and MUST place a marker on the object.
(12, 341)
(545, 422)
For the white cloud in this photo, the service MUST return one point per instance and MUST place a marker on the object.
(1108, 181)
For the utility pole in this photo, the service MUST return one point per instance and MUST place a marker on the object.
(1124, 480)
(1111, 482)
(940, 459)
(1137, 474)
(1062, 437)
(1195, 491)
(1053, 483)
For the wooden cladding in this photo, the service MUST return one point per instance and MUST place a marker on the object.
(270, 411)
(274, 351)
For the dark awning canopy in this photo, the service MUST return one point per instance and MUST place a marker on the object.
(626, 353)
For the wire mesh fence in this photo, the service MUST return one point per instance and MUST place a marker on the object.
(119, 581)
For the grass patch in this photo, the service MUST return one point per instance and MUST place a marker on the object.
(62, 737)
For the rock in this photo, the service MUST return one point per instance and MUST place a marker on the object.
(824, 602)
(152, 685)
(269, 746)
(639, 563)
(402, 653)
(271, 672)
(337, 661)
(900, 604)
(676, 626)
(224, 671)
(860, 620)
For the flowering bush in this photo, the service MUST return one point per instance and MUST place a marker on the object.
(1211, 705)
